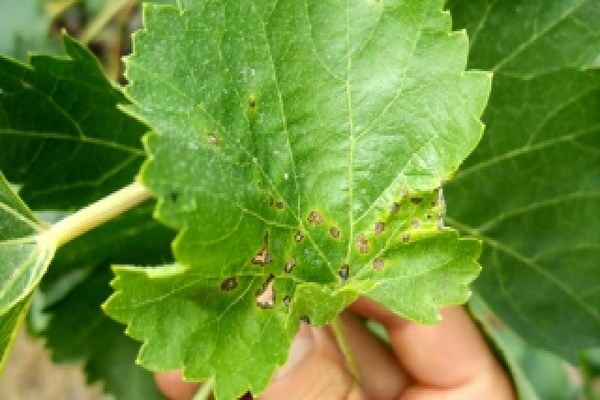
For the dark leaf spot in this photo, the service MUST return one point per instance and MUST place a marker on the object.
(271, 201)
(344, 273)
(394, 208)
(265, 297)
(335, 232)
(229, 284)
(279, 205)
(251, 102)
(174, 196)
(305, 319)
(416, 200)
(315, 218)
(289, 267)
(363, 244)
(415, 223)
(379, 227)
(406, 237)
(378, 264)
(298, 237)
(286, 302)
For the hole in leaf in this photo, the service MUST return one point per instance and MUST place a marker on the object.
(379, 227)
(335, 232)
(265, 297)
(298, 237)
(378, 264)
(344, 273)
(263, 257)
(229, 284)
(290, 265)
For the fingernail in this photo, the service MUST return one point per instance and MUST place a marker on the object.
(301, 346)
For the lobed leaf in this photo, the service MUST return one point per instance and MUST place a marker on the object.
(530, 191)
(74, 146)
(301, 163)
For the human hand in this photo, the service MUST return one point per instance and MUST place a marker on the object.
(450, 360)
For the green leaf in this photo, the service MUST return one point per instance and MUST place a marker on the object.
(78, 283)
(24, 257)
(537, 374)
(530, 191)
(25, 252)
(316, 148)
(74, 146)
(9, 326)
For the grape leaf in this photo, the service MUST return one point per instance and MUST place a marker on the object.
(24, 257)
(530, 191)
(75, 145)
(75, 286)
(301, 164)
(9, 325)
(25, 252)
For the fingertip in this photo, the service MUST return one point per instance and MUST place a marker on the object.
(172, 385)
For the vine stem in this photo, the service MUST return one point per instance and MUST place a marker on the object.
(97, 214)
(342, 340)
(205, 390)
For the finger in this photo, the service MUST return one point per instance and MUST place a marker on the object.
(315, 370)
(379, 373)
(451, 354)
(171, 384)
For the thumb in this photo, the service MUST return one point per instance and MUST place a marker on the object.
(315, 370)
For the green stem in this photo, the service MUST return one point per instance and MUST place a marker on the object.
(342, 340)
(96, 214)
(205, 390)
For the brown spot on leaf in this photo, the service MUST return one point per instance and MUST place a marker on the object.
(286, 302)
(416, 200)
(212, 138)
(229, 284)
(379, 227)
(344, 273)
(290, 265)
(265, 297)
(298, 237)
(251, 102)
(315, 218)
(406, 237)
(378, 264)
(279, 205)
(305, 319)
(363, 244)
(394, 208)
(263, 257)
(335, 232)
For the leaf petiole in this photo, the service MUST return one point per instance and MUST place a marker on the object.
(96, 214)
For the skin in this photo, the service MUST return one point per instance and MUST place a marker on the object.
(448, 361)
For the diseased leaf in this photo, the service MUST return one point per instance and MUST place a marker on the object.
(74, 146)
(301, 163)
(78, 283)
(530, 191)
